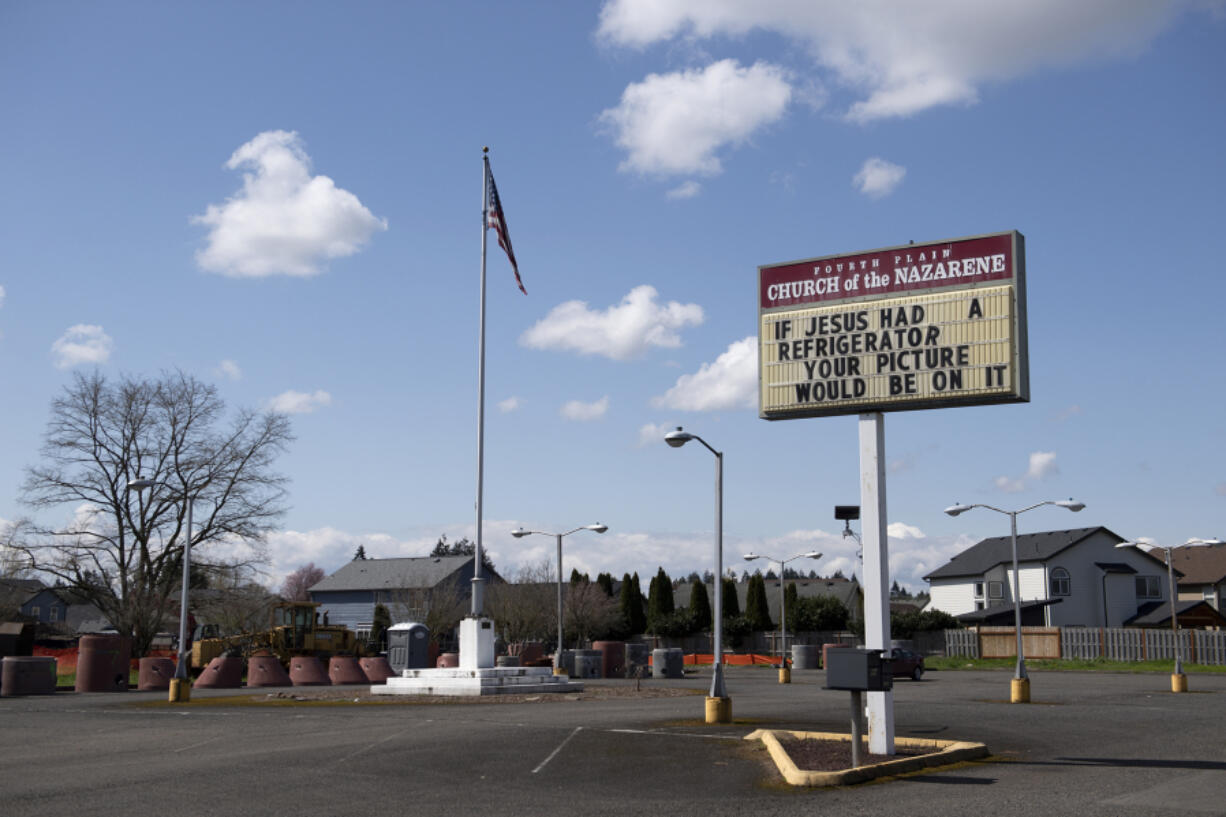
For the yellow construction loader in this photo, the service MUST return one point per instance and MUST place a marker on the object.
(295, 629)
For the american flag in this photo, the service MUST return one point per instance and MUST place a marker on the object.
(498, 222)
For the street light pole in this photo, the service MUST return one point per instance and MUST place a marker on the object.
(784, 676)
(519, 533)
(719, 705)
(1020, 687)
(1179, 681)
(180, 690)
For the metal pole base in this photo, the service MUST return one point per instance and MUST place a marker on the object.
(1179, 682)
(1019, 691)
(719, 710)
(785, 675)
(180, 691)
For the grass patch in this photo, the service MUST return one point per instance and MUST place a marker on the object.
(68, 678)
(1066, 665)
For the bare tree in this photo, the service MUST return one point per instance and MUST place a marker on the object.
(525, 609)
(234, 601)
(296, 584)
(589, 613)
(124, 553)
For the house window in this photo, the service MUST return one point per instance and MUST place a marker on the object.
(1060, 582)
(996, 590)
(34, 612)
(978, 605)
(53, 613)
(1148, 587)
(978, 590)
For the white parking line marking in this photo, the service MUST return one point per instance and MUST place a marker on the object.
(554, 753)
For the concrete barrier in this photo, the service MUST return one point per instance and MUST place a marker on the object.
(266, 671)
(103, 663)
(27, 675)
(344, 669)
(804, 656)
(223, 672)
(155, 673)
(307, 671)
(377, 669)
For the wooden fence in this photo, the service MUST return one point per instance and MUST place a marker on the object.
(1112, 643)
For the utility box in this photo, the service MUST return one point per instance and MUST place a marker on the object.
(408, 647)
(859, 670)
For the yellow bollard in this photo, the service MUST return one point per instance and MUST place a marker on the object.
(180, 691)
(785, 675)
(719, 710)
(1179, 682)
(1019, 691)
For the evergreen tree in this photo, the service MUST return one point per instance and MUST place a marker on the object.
(790, 598)
(659, 601)
(700, 606)
(378, 626)
(632, 604)
(579, 578)
(757, 612)
(360, 553)
(605, 580)
(730, 602)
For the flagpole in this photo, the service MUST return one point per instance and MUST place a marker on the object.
(478, 594)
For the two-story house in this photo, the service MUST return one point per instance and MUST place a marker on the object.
(1066, 578)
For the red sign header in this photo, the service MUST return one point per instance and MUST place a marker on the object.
(893, 271)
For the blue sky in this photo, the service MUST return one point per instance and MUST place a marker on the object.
(284, 200)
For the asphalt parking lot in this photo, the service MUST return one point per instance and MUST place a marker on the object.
(1089, 744)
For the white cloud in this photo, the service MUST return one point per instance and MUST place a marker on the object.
(685, 190)
(510, 404)
(283, 221)
(899, 57)
(577, 410)
(878, 178)
(83, 343)
(731, 382)
(296, 402)
(901, 530)
(676, 123)
(1041, 466)
(621, 332)
(228, 370)
(1, 296)
(653, 434)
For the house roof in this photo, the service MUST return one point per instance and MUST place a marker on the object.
(1158, 613)
(392, 574)
(1200, 564)
(980, 616)
(987, 554)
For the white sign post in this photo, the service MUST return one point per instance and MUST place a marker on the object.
(875, 542)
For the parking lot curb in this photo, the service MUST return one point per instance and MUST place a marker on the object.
(936, 753)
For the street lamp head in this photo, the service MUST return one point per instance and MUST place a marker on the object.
(520, 533)
(599, 527)
(813, 554)
(139, 484)
(749, 557)
(1070, 503)
(677, 438)
(957, 508)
